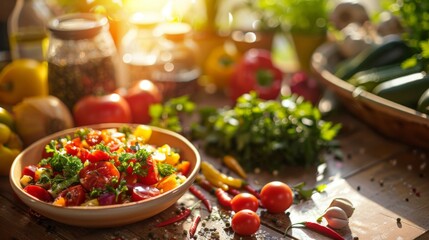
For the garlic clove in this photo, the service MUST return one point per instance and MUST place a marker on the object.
(336, 217)
(344, 204)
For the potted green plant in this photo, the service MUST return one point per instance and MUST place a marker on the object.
(305, 22)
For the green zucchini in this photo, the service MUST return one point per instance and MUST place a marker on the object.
(392, 50)
(423, 104)
(369, 79)
(404, 90)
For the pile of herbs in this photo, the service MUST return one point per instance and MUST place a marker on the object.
(265, 134)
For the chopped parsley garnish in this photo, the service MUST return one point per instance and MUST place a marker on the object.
(165, 169)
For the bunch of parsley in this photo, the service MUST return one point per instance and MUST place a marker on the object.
(265, 134)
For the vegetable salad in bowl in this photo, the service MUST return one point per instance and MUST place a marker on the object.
(105, 175)
(104, 167)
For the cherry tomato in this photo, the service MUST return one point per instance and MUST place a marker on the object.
(244, 201)
(140, 97)
(245, 222)
(38, 192)
(99, 175)
(111, 108)
(74, 195)
(141, 192)
(276, 197)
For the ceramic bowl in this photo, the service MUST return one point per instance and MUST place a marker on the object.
(111, 215)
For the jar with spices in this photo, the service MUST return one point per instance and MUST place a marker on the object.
(138, 49)
(81, 57)
(177, 71)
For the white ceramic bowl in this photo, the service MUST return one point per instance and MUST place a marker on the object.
(112, 215)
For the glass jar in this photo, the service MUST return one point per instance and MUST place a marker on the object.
(176, 71)
(138, 49)
(81, 57)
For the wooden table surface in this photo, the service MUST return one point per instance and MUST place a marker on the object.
(385, 180)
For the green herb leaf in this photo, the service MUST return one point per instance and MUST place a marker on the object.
(165, 169)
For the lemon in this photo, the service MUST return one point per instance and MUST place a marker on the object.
(5, 133)
(23, 78)
(6, 118)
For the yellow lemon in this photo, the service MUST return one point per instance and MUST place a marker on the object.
(5, 133)
(23, 78)
(7, 118)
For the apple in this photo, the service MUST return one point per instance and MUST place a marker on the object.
(140, 96)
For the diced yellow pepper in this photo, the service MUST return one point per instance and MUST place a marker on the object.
(143, 132)
(171, 157)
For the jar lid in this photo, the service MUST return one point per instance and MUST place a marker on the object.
(78, 26)
(145, 20)
(175, 31)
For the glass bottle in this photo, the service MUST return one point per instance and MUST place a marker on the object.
(138, 48)
(177, 71)
(81, 57)
(27, 31)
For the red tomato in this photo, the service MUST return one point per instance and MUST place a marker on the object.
(245, 222)
(139, 97)
(244, 201)
(98, 155)
(38, 192)
(74, 195)
(152, 172)
(29, 170)
(110, 108)
(141, 192)
(276, 197)
(98, 175)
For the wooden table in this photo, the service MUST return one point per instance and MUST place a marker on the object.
(386, 181)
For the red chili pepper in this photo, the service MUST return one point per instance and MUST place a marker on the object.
(233, 191)
(326, 231)
(194, 226)
(197, 193)
(223, 198)
(252, 191)
(206, 185)
(181, 216)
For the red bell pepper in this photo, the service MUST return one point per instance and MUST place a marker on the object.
(256, 72)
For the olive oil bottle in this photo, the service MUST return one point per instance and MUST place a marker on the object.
(28, 36)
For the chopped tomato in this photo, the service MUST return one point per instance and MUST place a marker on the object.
(94, 138)
(151, 170)
(29, 170)
(73, 196)
(38, 192)
(98, 155)
(99, 175)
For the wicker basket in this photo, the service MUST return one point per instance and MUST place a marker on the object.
(390, 119)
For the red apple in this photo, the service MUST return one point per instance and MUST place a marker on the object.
(139, 97)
